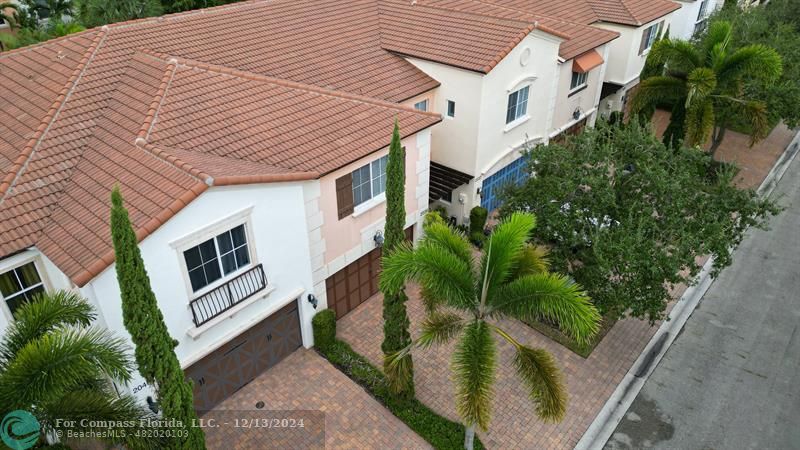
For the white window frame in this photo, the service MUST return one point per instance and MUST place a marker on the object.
(580, 85)
(197, 237)
(421, 105)
(702, 13)
(374, 199)
(518, 117)
(19, 260)
(652, 34)
(447, 109)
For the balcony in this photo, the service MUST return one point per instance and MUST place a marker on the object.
(224, 297)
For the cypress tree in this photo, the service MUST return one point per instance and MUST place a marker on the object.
(396, 335)
(155, 348)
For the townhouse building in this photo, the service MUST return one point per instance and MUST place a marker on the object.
(250, 143)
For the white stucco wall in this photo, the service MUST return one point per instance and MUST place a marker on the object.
(584, 100)
(685, 19)
(454, 140)
(624, 61)
(278, 240)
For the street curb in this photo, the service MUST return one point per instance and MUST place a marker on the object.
(623, 396)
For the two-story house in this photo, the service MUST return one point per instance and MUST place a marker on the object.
(252, 163)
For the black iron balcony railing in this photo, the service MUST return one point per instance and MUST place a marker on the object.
(226, 296)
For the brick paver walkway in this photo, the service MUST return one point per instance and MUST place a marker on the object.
(590, 381)
(305, 385)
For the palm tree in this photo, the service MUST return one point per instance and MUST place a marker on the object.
(703, 82)
(9, 13)
(53, 365)
(510, 279)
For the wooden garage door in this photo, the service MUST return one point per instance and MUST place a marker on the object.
(354, 284)
(239, 361)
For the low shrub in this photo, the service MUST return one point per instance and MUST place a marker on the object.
(440, 432)
(324, 326)
(477, 219)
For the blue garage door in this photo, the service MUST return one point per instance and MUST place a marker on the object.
(513, 173)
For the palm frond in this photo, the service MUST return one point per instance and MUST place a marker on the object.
(700, 83)
(656, 90)
(474, 369)
(84, 407)
(699, 122)
(445, 237)
(542, 377)
(503, 249)
(553, 297)
(36, 318)
(532, 259)
(754, 111)
(752, 61)
(441, 273)
(57, 362)
(439, 328)
(677, 55)
(717, 37)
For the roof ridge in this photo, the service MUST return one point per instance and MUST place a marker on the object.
(15, 51)
(194, 12)
(15, 171)
(628, 10)
(224, 70)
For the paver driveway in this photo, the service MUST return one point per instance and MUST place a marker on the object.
(306, 381)
(514, 424)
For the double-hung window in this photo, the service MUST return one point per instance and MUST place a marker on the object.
(369, 181)
(578, 80)
(20, 285)
(217, 257)
(517, 104)
(649, 37)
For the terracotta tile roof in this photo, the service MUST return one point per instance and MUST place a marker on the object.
(632, 12)
(75, 125)
(476, 34)
(104, 106)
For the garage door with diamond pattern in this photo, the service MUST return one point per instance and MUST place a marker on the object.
(239, 361)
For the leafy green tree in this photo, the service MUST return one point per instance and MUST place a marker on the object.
(628, 217)
(395, 317)
(53, 365)
(155, 348)
(93, 13)
(776, 25)
(707, 79)
(466, 295)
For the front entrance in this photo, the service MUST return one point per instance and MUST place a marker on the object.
(239, 361)
(356, 282)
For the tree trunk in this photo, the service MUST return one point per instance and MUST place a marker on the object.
(716, 140)
(469, 437)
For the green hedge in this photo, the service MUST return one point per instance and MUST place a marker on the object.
(440, 432)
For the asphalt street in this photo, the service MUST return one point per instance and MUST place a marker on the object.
(731, 379)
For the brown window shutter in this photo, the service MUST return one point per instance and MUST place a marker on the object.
(344, 195)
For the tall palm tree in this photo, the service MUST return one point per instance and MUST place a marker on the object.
(704, 82)
(509, 279)
(53, 365)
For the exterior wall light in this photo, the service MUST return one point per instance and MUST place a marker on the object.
(313, 300)
(378, 239)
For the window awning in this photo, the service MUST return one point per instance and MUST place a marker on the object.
(587, 61)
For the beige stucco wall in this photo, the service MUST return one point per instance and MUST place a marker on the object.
(585, 99)
(348, 234)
